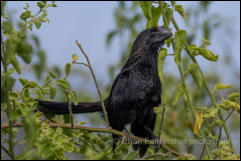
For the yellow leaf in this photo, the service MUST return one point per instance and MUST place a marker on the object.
(198, 124)
(74, 57)
(221, 86)
(157, 109)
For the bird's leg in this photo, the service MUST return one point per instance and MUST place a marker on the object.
(157, 141)
(128, 136)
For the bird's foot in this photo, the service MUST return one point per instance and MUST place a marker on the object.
(157, 143)
(128, 136)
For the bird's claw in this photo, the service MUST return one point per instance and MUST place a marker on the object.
(128, 136)
(157, 143)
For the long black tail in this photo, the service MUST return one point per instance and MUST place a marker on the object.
(62, 107)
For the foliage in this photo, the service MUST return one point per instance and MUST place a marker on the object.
(190, 114)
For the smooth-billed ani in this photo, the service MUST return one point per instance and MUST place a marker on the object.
(134, 93)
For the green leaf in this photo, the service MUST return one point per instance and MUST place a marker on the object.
(157, 110)
(36, 40)
(62, 83)
(180, 39)
(10, 50)
(179, 93)
(3, 4)
(206, 28)
(161, 56)
(7, 83)
(26, 93)
(33, 84)
(16, 65)
(198, 124)
(205, 41)
(131, 156)
(221, 86)
(155, 15)
(169, 15)
(211, 112)
(173, 3)
(40, 92)
(40, 65)
(217, 123)
(74, 57)
(10, 71)
(41, 5)
(67, 69)
(110, 36)
(52, 92)
(37, 24)
(180, 10)
(193, 49)
(14, 115)
(208, 54)
(29, 124)
(23, 81)
(13, 95)
(52, 75)
(25, 15)
(168, 41)
(234, 96)
(47, 80)
(74, 98)
(146, 7)
(7, 27)
(25, 51)
(227, 105)
(195, 72)
(180, 158)
(53, 4)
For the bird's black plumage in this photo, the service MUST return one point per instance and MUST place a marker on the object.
(134, 93)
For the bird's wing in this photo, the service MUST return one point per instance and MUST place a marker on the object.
(126, 91)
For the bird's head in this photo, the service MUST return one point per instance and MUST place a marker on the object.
(152, 38)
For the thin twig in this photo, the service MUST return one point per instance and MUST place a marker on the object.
(228, 115)
(6, 150)
(219, 136)
(81, 64)
(201, 156)
(162, 120)
(70, 109)
(96, 84)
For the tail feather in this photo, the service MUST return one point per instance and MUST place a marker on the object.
(62, 107)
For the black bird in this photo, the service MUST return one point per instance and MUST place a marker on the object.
(134, 93)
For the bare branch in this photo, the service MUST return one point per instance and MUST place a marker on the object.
(81, 64)
(6, 150)
(96, 84)
(201, 156)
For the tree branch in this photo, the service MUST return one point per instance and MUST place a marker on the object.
(96, 84)
(6, 150)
